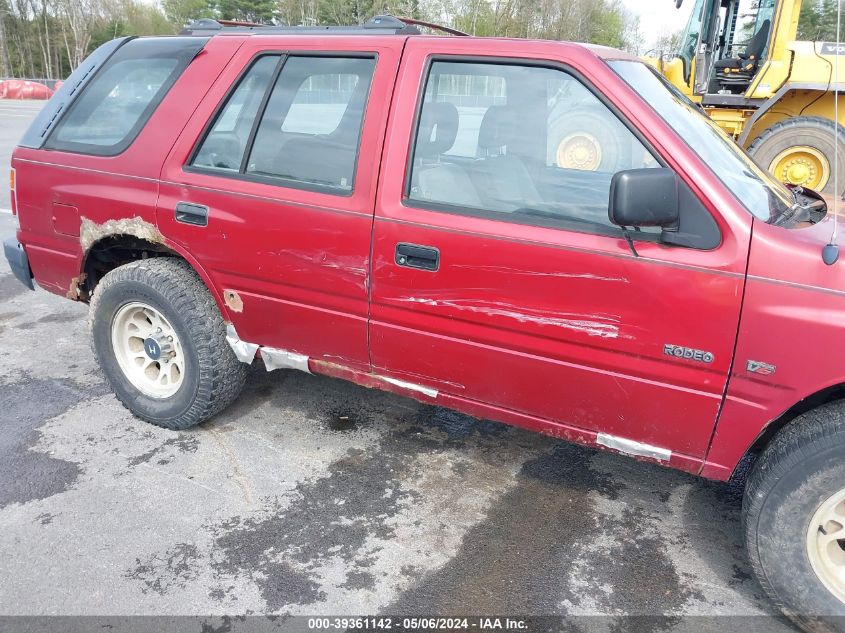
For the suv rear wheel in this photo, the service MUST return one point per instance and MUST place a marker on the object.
(794, 519)
(161, 343)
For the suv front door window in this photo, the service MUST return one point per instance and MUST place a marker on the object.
(520, 144)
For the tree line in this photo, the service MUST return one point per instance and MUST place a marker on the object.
(818, 21)
(49, 38)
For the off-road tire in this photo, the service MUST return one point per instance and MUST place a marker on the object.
(213, 378)
(591, 122)
(799, 470)
(811, 131)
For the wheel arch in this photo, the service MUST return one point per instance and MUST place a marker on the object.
(797, 99)
(115, 249)
(828, 394)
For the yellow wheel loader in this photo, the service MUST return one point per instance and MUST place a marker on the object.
(773, 94)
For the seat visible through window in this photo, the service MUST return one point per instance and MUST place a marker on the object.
(312, 124)
(434, 177)
(529, 145)
(310, 128)
(501, 178)
(739, 71)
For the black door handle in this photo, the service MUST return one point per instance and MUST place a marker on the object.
(189, 213)
(421, 257)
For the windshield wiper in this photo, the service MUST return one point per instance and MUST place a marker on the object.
(803, 204)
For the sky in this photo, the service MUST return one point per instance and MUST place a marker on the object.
(659, 17)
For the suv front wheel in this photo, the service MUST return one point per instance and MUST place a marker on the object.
(794, 519)
(161, 343)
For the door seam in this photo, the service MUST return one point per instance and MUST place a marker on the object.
(377, 198)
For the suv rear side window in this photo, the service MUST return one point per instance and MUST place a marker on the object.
(525, 144)
(305, 132)
(117, 103)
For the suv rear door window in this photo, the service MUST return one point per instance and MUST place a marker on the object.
(305, 131)
(526, 144)
(110, 112)
(310, 130)
(224, 146)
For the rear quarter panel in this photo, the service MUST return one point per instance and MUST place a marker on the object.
(99, 188)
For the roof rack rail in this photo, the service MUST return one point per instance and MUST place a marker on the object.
(379, 25)
(432, 25)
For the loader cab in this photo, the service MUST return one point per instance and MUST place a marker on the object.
(724, 45)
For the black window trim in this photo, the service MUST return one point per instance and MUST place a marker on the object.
(548, 223)
(110, 151)
(278, 181)
(218, 109)
(259, 113)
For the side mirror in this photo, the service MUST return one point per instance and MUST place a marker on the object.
(645, 197)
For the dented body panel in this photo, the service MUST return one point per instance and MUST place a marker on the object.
(558, 324)
(567, 333)
(103, 189)
(286, 256)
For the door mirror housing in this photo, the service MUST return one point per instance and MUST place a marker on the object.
(645, 197)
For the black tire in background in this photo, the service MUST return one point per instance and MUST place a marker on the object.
(213, 377)
(593, 126)
(802, 468)
(821, 134)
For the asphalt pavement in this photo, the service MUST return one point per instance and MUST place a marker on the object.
(311, 496)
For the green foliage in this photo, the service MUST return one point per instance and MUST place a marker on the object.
(181, 12)
(669, 42)
(343, 11)
(595, 21)
(608, 26)
(818, 21)
(47, 38)
(133, 19)
(260, 11)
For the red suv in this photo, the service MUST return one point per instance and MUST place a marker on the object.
(540, 233)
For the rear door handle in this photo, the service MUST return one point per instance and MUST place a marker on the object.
(190, 213)
(420, 257)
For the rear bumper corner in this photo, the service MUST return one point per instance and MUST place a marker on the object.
(18, 261)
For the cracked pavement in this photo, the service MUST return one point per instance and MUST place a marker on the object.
(314, 496)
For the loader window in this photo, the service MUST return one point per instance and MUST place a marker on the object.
(765, 16)
(690, 36)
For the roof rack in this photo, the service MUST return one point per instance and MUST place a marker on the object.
(431, 25)
(379, 25)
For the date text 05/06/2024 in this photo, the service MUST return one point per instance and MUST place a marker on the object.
(417, 624)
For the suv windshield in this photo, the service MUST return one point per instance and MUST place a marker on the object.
(755, 188)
